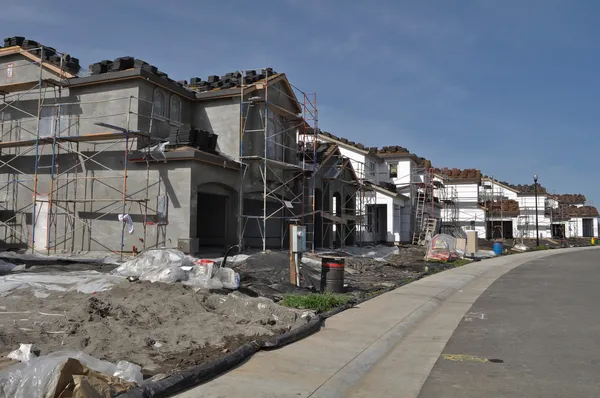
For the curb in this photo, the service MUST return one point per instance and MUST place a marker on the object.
(199, 374)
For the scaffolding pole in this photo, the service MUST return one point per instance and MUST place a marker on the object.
(275, 166)
(62, 141)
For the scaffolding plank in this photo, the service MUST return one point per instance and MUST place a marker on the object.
(105, 136)
(26, 86)
(282, 165)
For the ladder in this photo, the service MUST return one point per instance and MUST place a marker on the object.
(419, 215)
(428, 230)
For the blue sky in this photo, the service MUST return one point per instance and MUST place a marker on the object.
(509, 87)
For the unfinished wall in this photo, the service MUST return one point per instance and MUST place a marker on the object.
(165, 120)
(87, 200)
(527, 214)
(470, 215)
(22, 70)
(365, 166)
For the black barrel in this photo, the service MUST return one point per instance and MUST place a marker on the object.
(332, 274)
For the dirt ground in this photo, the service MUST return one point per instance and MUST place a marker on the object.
(162, 327)
(267, 274)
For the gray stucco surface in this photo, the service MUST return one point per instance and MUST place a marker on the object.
(88, 184)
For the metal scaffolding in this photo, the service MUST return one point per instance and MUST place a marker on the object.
(51, 154)
(286, 187)
(448, 195)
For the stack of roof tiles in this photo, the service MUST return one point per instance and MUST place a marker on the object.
(48, 54)
(528, 189)
(583, 211)
(458, 174)
(125, 63)
(505, 206)
(398, 150)
(569, 199)
(230, 80)
(348, 142)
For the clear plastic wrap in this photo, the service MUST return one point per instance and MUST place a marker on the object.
(442, 247)
(157, 266)
(229, 278)
(39, 377)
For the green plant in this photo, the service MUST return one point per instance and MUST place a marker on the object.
(460, 262)
(541, 247)
(315, 301)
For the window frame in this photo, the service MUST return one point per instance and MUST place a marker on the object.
(175, 100)
(159, 92)
(393, 170)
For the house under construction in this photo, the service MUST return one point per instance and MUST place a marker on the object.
(123, 159)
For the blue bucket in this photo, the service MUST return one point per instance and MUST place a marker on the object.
(498, 248)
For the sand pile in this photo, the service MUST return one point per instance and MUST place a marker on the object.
(162, 327)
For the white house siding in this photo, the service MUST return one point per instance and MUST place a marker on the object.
(393, 206)
(394, 217)
(527, 213)
(365, 166)
(470, 215)
(574, 227)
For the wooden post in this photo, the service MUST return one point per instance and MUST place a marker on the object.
(292, 257)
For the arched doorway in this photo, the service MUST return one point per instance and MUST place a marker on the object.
(215, 215)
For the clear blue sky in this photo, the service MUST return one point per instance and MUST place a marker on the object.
(510, 87)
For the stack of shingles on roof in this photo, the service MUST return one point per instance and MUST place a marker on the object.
(569, 199)
(458, 174)
(583, 211)
(528, 189)
(371, 150)
(508, 206)
(126, 63)
(398, 150)
(48, 54)
(230, 80)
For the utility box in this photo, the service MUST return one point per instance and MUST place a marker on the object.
(472, 242)
(298, 238)
(188, 245)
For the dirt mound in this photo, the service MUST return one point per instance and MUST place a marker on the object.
(151, 324)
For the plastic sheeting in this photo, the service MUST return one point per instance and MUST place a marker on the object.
(171, 265)
(157, 266)
(39, 376)
(442, 248)
(81, 281)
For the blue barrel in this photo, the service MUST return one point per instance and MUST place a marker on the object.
(498, 248)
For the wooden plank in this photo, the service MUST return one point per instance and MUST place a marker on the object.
(106, 136)
(26, 86)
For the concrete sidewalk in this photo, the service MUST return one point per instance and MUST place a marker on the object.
(387, 346)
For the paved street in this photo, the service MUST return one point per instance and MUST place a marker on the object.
(387, 346)
(534, 333)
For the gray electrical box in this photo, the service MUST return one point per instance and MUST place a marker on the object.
(298, 238)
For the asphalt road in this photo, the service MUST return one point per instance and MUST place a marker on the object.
(535, 332)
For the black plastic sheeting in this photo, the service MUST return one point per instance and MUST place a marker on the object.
(198, 374)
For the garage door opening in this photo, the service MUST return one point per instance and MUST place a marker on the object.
(213, 218)
(588, 227)
(499, 229)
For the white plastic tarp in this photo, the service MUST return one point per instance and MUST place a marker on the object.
(81, 281)
(39, 376)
